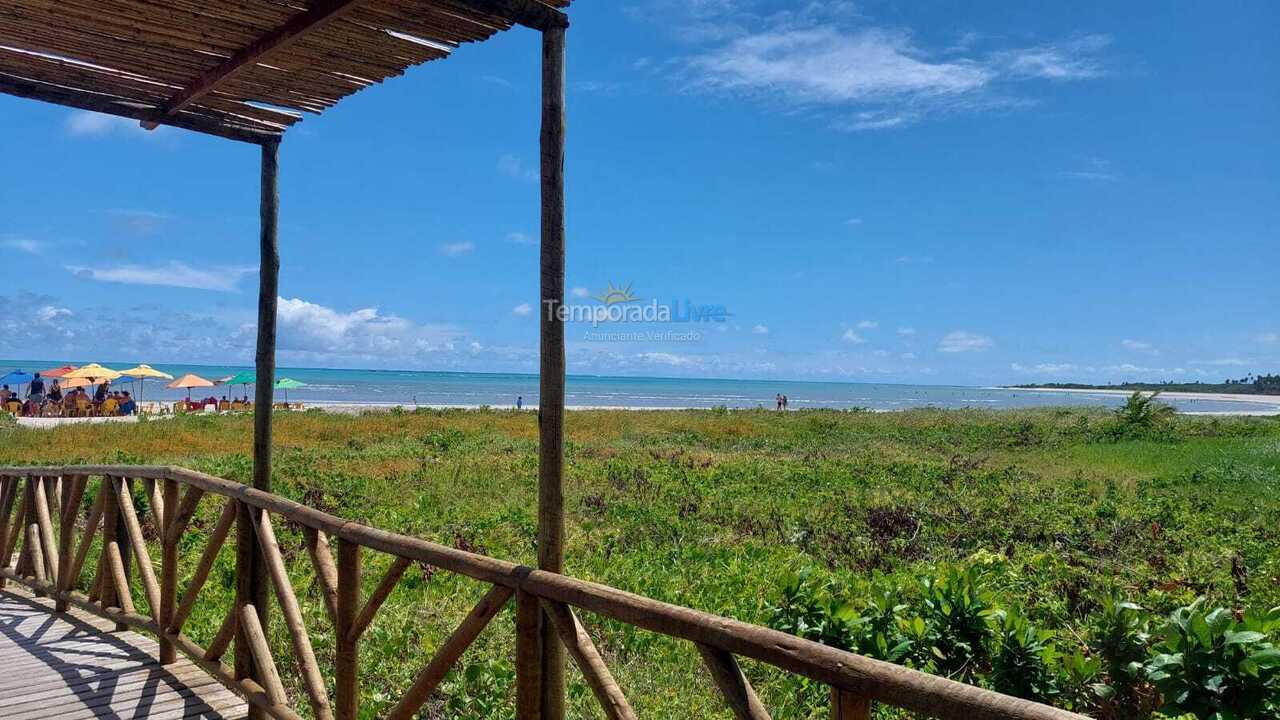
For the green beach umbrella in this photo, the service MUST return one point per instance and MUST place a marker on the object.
(244, 378)
(287, 384)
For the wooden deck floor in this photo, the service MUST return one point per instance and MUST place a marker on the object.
(73, 666)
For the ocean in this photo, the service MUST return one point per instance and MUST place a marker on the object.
(410, 388)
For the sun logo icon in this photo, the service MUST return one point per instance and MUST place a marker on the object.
(614, 295)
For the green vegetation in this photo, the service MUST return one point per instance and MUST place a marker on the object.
(1056, 554)
(1247, 385)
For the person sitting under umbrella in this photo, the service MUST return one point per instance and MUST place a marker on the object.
(5, 394)
(127, 405)
(55, 392)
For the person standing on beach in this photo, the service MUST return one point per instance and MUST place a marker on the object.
(519, 402)
(784, 402)
(35, 391)
(778, 399)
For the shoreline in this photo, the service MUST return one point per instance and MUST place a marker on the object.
(1273, 401)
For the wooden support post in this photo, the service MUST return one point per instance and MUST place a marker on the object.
(73, 491)
(528, 657)
(113, 532)
(552, 370)
(847, 706)
(584, 653)
(168, 568)
(251, 572)
(30, 541)
(347, 660)
(732, 683)
(8, 488)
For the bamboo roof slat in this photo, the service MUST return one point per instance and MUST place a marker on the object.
(244, 69)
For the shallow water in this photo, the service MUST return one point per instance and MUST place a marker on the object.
(408, 388)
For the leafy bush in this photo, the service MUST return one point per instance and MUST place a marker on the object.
(957, 611)
(1214, 667)
(1201, 663)
(1119, 638)
(1023, 663)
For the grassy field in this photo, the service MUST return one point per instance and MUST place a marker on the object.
(1058, 509)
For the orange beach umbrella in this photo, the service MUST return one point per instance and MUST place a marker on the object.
(58, 372)
(189, 381)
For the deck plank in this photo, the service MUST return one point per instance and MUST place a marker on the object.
(75, 666)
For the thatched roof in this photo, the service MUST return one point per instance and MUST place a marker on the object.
(243, 69)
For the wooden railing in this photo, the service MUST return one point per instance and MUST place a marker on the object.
(51, 561)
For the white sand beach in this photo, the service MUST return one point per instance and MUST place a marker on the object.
(1272, 401)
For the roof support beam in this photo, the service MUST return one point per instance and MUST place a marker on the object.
(114, 105)
(319, 15)
(530, 13)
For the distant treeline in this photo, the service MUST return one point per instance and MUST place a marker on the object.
(1248, 385)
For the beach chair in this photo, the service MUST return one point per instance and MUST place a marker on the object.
(238, 407)
(13, 407)
(223, 406)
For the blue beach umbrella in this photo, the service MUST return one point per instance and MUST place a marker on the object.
(17, 377)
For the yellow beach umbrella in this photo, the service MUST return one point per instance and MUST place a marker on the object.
(142, 372)
(93, 372)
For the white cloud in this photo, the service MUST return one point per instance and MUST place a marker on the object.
(476, 348)
(906, 331)
(824, 65)
(22, 244)
(1129, 370)
(1225, 362)
(514, 167)
(138, 222)
(1074, 59)
(520, 238)
(850, 336)
(868, 325)
(598, 87)
(51, 313)
(908, 356)
(821, 56)
(853, 222)
(522, 309)
(1046, 368)
(760, 330)
(959, 341)
(580, 292)
(171, 274)
(315, 331)
(1093, 170)
(458, 248)
(1269, 338)
(666, 358)
(1139, 346)
(83, 123)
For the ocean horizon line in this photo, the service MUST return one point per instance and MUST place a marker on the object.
(5, 363)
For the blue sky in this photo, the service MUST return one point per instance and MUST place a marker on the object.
(887, 192)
